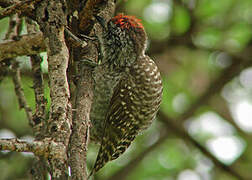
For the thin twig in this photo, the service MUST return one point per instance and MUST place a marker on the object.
(20, 92)
(13, 31)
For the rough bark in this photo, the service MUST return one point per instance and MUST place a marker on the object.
(51, 16)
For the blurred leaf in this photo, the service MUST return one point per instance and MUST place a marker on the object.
(210, 8)
(209, 38)
(181, 20)
(238, 36)
(136, 7)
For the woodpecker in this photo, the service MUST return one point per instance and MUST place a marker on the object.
(127, 90)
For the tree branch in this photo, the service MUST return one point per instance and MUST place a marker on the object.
(181, 132)
(36, 45)
(18, 8)
(20, 47)
(84, 96)
(6, 3)
(80, 133)
(227, 75)
(52, 25)
(92, 8)
(46, 148)
(220, 106)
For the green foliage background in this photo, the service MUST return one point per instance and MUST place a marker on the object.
(216, 30)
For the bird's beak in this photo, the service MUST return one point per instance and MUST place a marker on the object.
(101, 21)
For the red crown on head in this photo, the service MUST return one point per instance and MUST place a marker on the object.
(127, 22)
